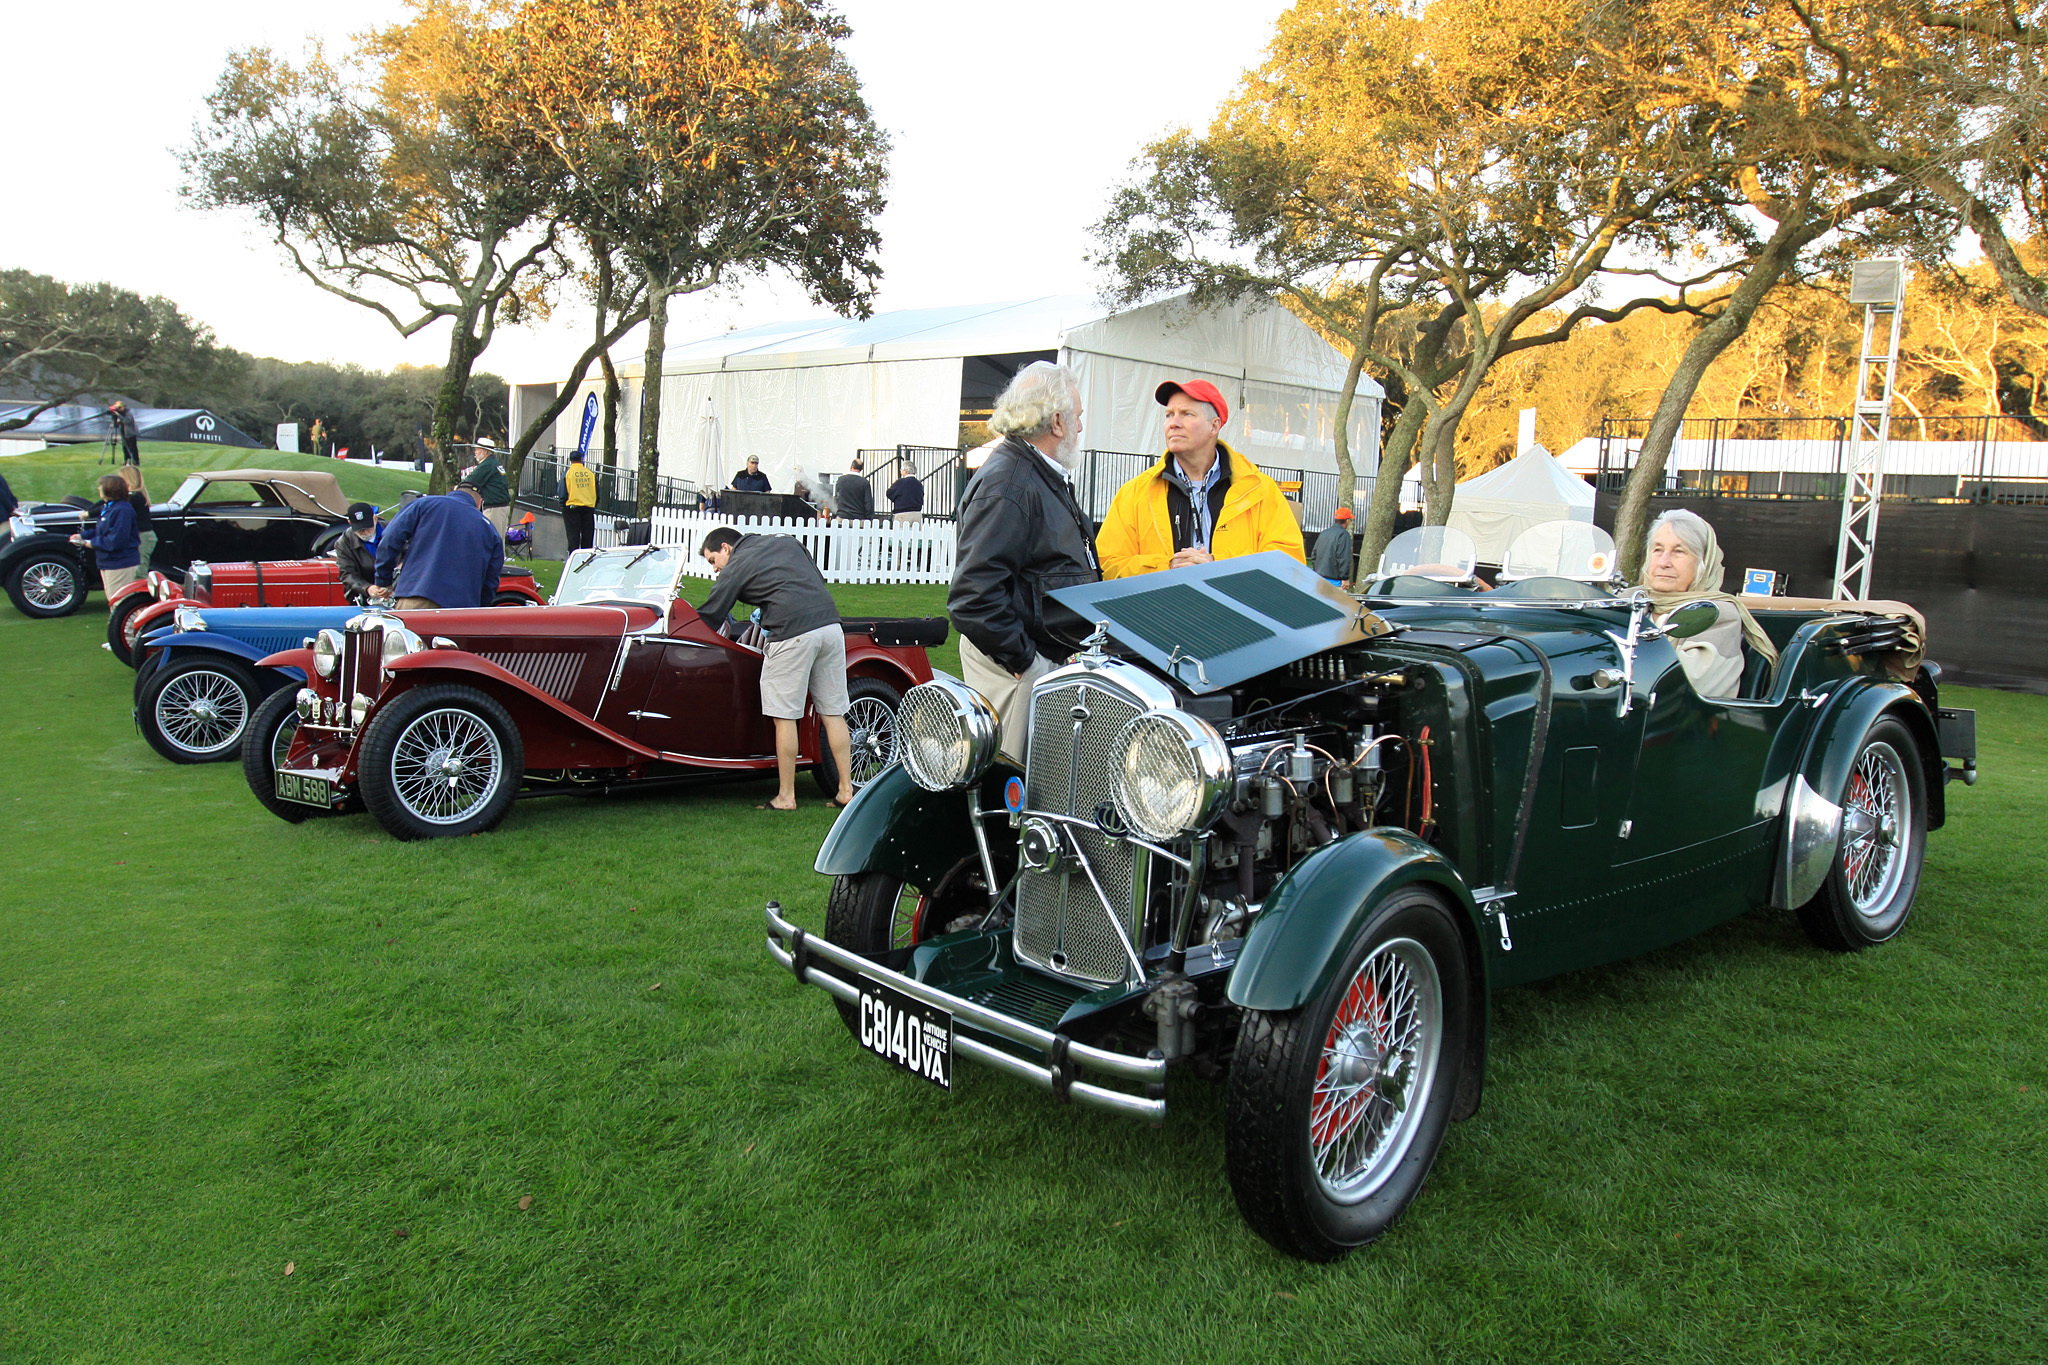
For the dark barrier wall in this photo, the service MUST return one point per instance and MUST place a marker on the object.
(1978, 573)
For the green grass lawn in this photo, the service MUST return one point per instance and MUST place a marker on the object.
(49, 475)
(540, 1095)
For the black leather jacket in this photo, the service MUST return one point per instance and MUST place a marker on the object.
(358, 566)
(1022, 535)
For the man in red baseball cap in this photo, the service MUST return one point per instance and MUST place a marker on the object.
(1202, 502)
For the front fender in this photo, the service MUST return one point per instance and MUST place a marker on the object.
(1311, 917)
(556, 734)
(41, 540)
(1813, 804)
(217, 644)
(893, 825)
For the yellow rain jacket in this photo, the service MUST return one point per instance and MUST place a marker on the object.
(1137, 535)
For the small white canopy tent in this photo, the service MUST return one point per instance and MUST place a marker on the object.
(810, 393)
(1528, 490)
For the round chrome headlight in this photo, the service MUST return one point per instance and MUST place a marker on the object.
(399, 642)
(326, 652)
(946, 734)
(1173, 773)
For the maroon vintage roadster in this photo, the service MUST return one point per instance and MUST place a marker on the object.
(436, 720)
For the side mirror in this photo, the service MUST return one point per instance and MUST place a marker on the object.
(1692, 618)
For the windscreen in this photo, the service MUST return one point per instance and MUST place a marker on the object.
(646, 574)
(1575, 550)
(1442, 553)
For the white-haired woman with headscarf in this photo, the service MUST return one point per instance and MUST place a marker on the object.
(1683, 564)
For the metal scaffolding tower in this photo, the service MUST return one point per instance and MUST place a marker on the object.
(1880, 286)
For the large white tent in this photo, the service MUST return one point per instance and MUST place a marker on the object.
(1495, 507)
(806, 395)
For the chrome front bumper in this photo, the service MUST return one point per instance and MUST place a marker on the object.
(802, 952)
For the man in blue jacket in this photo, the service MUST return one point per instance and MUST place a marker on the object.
(451, 554)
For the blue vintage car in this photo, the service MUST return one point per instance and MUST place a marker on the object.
(198, 682)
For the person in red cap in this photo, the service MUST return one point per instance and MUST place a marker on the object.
(1336, 557)
(1202, 502)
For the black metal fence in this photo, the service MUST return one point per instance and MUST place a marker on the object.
(618, 489)
(1933, 459)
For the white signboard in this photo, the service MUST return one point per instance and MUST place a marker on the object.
(288, 436)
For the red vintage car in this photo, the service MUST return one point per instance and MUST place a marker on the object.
(436, 720)
(147, 603)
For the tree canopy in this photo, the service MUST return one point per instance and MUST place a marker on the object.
(704, 140)
(63, 342)
(380, 179)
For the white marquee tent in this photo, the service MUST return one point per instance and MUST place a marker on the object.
(806, 395)
(1495, 507)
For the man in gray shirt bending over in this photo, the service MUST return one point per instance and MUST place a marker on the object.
(806, 653)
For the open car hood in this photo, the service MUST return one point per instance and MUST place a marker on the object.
(1210, 626)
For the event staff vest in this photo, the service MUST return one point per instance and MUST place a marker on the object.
(582, 485)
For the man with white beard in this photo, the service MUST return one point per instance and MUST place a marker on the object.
(1022, 535)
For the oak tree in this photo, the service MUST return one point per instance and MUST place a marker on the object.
(706, 140)
(385, 186)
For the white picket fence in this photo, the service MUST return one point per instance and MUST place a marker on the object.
(846, 552)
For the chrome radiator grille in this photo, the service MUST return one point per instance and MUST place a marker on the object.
(1061, 925)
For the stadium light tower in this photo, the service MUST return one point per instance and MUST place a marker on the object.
(1880, 286)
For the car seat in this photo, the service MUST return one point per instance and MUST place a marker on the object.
(1756, 675)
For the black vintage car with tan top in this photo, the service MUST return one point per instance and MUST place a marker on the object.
(215, 514)
(1277, 834)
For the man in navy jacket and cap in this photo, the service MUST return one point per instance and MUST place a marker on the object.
(451, 554)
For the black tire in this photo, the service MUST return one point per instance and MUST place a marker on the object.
(119, 640)
(263, 746)
(871, 707)
(47, 584)
(1298, 1182)
(411, 734)
(511, 599)
(324, 543)
(1868, 895)
(882, 916)
(196, 710)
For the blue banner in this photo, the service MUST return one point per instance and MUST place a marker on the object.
(589, 425)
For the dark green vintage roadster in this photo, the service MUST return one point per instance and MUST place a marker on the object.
(1271, 830)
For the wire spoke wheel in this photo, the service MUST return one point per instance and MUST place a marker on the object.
(1868, 894)
(445, 764)
(1379, 1057)
(49, 584)
(871, 734)
(201, 711)
(1338, 1106)
(1876, 812)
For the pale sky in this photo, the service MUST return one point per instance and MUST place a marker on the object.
(1011, 124)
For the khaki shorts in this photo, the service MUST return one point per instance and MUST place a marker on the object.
(112, 580)
(498, 517)
(813, 664)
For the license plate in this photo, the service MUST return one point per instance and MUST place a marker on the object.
(909, 1033)
(307, 791)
